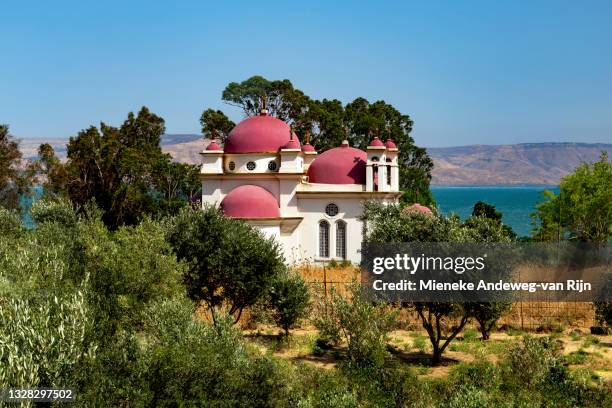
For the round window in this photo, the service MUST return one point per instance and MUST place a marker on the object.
(231, 165)
(272, 165)
(331, 210)
(251, 166)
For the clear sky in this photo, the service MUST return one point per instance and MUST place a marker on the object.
(467, 72)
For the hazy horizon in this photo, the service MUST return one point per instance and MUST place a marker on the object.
(467, 73)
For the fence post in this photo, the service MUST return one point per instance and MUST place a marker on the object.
(325, 286)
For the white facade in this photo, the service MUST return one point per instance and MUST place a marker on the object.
(317, 222)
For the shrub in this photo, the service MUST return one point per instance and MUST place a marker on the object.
(603, 307)
(364, 326)
(43, 344)
(229, 262)
(468, 397)
(289, 298)
(10, 224)
(54, 210)
(530, 362)
(190, 361)
(479, 374)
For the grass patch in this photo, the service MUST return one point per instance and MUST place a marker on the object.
(419, 341)
(589, 341)
(576, 357)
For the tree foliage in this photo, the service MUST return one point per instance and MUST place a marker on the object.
(231, 264)
(15, 178)
(122, 169)
(361, 324)
(215, 125)
(289, 298)
(582, 211)
(390, 224)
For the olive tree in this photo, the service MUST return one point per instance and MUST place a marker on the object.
(289, 298)
(230, 264)
(390, 224)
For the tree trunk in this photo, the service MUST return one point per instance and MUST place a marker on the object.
(436, 358)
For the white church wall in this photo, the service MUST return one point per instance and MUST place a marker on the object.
(313, 211)
(261, 160)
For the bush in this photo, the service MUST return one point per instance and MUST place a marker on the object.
(190, 361)
(480, 374)
(603, 307)
(230, 264)
(364, 326)
(289, 298)
(10, 224)
(44, 344)
(54, 210)
(468, 397)
(529, 363)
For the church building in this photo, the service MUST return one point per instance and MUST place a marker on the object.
(309, 202)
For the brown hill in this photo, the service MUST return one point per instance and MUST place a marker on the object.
(529, 163)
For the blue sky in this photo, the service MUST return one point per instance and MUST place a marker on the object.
(467, 72)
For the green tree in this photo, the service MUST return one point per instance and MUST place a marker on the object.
(54, 177)
(122, 169)
(582, 211)
(280, 98)
(482, 209)
(486, 314)
(215, 125)
(483, 229)
(390, 224)
(15, 178)
(289, 299)
(485, 210)
(231, 264)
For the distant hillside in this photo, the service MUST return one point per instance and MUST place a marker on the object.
(183, 147)
(529, 163)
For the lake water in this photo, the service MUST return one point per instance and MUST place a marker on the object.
(515, 203)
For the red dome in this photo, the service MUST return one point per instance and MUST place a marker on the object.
(376, 143)
(308, 148)
(213, 146)
(292, 144)
(258, 134)
(250, 201)
(418, 208)
(390, 144)
(341, 165)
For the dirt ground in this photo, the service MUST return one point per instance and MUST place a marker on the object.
(580, 349)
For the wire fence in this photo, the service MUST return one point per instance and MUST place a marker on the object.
(542, 315)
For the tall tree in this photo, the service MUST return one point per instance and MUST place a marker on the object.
(122, 169)
(54, 176)
(582, 211)
(215, 125)
(280, 98)
(15, 177)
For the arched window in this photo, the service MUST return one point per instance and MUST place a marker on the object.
(389, 171)
(341, 239)
(324, 239)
